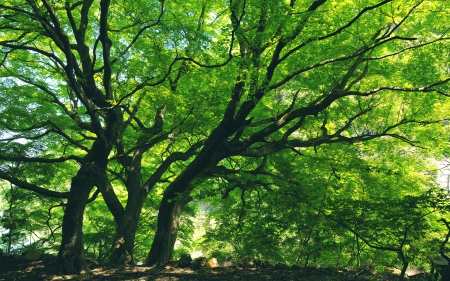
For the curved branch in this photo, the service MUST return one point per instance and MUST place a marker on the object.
(40, 159)
(21, 11)
(358, 53)
(33, 187)
(427, 88)
(147, 83)
(55, 129)
(110, 197)
(106, 43)
(176, 156)
(271, 146)
(34, 49)
(138, 34)
(337, 31)
(407, 49)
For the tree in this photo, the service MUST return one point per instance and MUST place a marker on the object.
(133, 97)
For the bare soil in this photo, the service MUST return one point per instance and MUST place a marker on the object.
(15, 268)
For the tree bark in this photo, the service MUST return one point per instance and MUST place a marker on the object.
(123, 245)
(168, 222)
(71, 252)
(405, 262)
(122, 250)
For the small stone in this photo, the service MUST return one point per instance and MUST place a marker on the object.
(33, 254)
(212, 263)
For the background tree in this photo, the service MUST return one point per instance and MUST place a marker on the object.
(159, 98)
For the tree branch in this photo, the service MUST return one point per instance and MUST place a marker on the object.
(33, 187)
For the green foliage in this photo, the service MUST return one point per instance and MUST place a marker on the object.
(28, 220)
(337, 205)
(97, 231)
(185, 243)
(304, 130)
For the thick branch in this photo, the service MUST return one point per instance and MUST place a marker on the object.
(39, 159)
(176, 156)
(111, 200)
(33, 187)
(106, 43)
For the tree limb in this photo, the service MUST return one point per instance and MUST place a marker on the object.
(33, 187)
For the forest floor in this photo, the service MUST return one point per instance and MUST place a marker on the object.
(15, 269)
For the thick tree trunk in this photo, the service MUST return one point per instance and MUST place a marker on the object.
(176, 196)
(71, 251)
(122, 250)
(168, 222)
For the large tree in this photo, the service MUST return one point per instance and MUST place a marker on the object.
(138, 95)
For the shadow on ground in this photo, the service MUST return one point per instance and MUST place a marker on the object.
(16, 268)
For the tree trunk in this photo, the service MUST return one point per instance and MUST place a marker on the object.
(168, 222)
(405, 262)
(122, 250)
(176, 196)
(71, 252)
(358, 252)
(11, 221)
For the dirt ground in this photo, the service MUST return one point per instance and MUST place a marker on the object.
(17, 269)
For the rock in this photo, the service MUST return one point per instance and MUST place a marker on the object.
(212, 263)
(185, 260)
(32, 254)
(247, 262)
(415, 270)
(198, 263)
(281, 266)
(228, 262)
